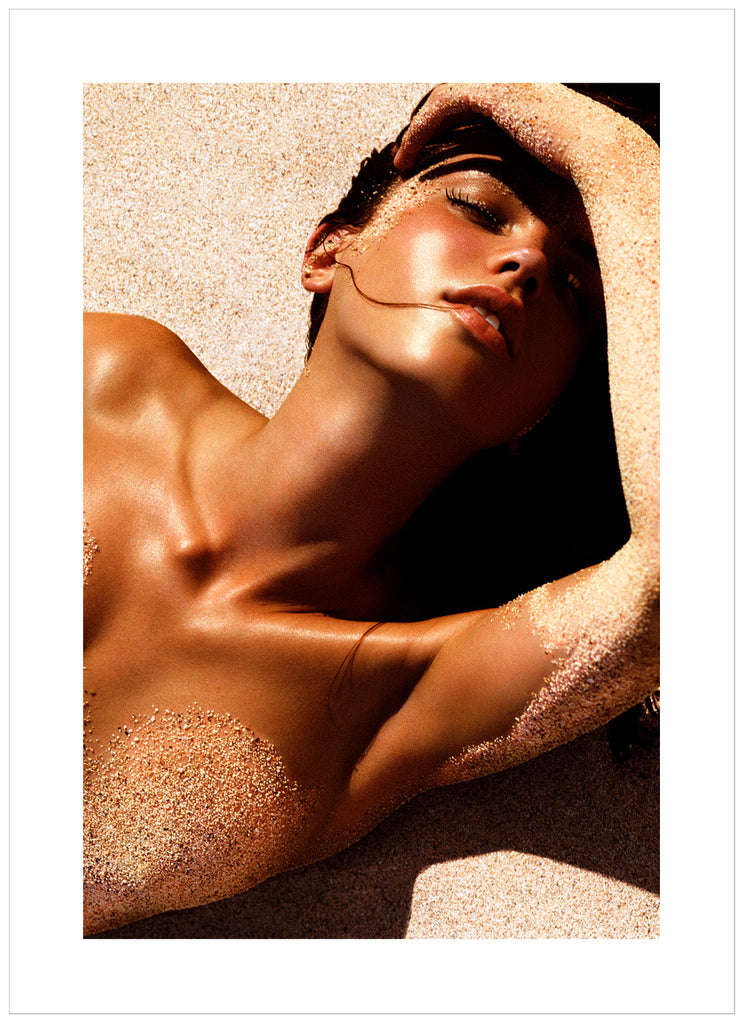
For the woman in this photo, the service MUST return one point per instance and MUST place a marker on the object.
(259, 692)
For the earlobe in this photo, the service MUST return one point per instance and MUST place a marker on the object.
(319, 262)
(318, 274)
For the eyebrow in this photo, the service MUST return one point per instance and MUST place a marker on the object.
(487, 165)
(511, 179)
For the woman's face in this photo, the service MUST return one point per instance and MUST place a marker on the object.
(513, 279)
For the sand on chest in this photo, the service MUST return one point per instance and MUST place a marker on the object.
(184, 808)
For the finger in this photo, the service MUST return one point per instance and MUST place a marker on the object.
(442, 110)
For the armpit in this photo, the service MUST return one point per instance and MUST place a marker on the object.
(602, 634)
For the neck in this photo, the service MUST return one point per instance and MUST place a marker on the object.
(339, 470)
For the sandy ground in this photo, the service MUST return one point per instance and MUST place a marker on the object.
(198, 202)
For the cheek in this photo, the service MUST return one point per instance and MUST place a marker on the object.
(414, 255)
(403, 266)
(564, 355)
(420, 265)
(558, 342)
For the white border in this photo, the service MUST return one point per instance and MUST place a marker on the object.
(690, 968)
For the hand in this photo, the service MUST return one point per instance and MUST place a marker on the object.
(551, 122)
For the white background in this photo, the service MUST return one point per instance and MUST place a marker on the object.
(690, 968)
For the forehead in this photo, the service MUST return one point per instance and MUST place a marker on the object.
(491, 155)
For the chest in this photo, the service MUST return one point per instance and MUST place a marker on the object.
(138, 516)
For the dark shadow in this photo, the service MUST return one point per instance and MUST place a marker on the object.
(575, 805)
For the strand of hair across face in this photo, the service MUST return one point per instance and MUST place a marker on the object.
(394, 305)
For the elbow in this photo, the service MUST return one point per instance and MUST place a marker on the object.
(643, 552)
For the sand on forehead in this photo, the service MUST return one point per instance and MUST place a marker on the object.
(198, 203)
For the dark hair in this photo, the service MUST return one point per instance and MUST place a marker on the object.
(516, 516)
(377, 174)
(369, 187)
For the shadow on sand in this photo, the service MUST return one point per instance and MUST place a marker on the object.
(575, 805)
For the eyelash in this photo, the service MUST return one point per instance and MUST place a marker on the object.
(588, 306)
(479, 209)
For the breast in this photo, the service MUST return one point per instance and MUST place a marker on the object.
(186, 808)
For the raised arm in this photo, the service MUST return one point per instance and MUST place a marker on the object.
(507, 684)
(615, 167)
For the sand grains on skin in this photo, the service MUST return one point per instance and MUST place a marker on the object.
(90, 548)
(601, 671)
(150, 272)
(183, 808)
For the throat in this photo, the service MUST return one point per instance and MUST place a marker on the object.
(312, 502)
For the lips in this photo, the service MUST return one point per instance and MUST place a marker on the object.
(491, 315)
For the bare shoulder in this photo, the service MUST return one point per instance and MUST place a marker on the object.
(114, 342)
(112, 334)
(124, 326)
(127, 359)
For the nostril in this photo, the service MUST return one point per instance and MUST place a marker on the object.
(525, 266)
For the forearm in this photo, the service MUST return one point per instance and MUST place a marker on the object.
(615, 167)
(575, 653)
(619, 184)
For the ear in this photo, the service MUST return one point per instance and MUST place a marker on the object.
(319, 262)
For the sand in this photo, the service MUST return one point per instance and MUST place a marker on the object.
(198, 203)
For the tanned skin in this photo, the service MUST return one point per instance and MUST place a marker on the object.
(240, 559)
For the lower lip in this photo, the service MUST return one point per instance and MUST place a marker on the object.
(482, 331)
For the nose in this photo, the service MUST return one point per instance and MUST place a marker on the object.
(521, 268)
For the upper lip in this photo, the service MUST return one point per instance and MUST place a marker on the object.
(511, 312)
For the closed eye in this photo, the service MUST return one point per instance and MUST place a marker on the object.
(480, 211)
(588, 302)
(586, 299)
